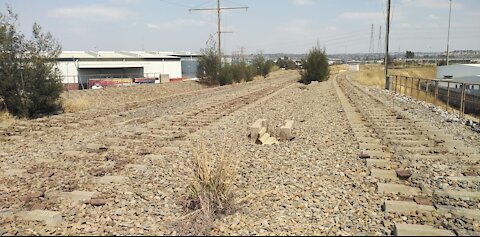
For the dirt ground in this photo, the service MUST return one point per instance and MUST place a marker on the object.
(121, 165)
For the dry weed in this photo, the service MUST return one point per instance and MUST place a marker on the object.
(373, 75)
(5, 117)
(75, 105)
(210, 195)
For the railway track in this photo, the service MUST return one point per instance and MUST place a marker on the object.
(121, 115)
(430, 181)
(139, 158)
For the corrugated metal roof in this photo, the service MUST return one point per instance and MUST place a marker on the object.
(113, 55)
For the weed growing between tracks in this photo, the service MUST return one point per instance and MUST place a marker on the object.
(75, 105)
(210, 194)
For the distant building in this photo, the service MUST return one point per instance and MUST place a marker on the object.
(460, 73)
(82, 69)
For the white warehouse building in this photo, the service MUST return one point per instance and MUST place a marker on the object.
(80, 68)
(469, 74)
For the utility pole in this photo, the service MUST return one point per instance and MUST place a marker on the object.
(372, 44)
(387, 79)
(379, 46)
(448, 37)
(218, 9)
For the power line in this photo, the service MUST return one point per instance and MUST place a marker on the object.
(175, 3)
(370, 50)
(218, 9)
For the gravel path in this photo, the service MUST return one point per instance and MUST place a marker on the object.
(122, 170)
(311, 185)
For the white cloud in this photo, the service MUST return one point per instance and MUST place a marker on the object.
(297, 27)
(432, 17)
(302, 2)
(92, 12)
(177, 24)
(404, 25)
(331, 28)
(153, 26)
(77, 30)
(432, 4)
(362, 16)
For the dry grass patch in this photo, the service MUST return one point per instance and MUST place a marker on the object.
(427, 72)
(210, 194)
(5, 117)
(72, 105)
(370, 75)
(336, 69)
(373, 75)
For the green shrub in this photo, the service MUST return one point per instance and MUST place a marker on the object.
(315, 66)
(209, 64)
(30, 84)
(226, 75)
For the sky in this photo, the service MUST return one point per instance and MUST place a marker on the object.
(268, 26)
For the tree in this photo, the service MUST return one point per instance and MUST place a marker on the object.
(267, 68)
(281, 63)
(315, 66)
(258, 63)
(29, 81)
(286, 63)
(442, 62)
(291, 65)
(226, 75)
(209, 64)
(409, 54)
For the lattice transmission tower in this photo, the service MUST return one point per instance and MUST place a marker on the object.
(372, 43)
(379, 44)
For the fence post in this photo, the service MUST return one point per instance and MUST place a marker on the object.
(462, 98)
(436, 93)
(411, 88)
(426, 91)
(418, 89)
(448, 95)
(396, 81)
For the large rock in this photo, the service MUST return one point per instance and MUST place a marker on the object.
(286, 130)
(51, 218)
(420, 230)
(79, 196)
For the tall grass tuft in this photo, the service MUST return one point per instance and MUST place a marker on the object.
(71, 105)
(5, 117)
(210, 194)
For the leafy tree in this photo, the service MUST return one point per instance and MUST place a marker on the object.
(267, 68)
(286, 63)
(442, 62)
(226, 75)
(291, 65)
(249, 72)
(315, 66)
(29, 81)
(258, 63)
(209, 64)
(409, 54)
(281, 63)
